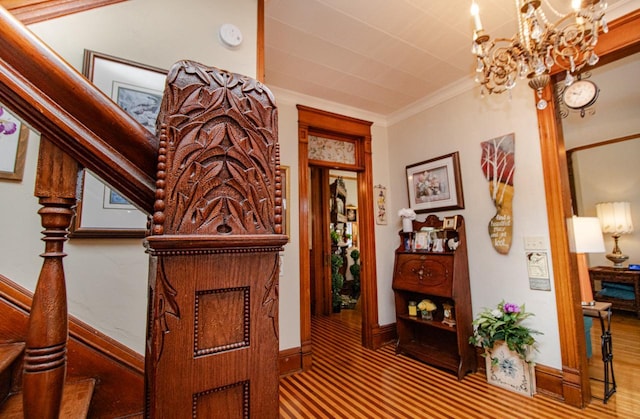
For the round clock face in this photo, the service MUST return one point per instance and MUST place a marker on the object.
(580, 94)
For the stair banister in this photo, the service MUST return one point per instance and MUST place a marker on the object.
(61, 104)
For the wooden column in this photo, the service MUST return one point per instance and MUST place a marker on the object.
(212, 336)
(46, 346)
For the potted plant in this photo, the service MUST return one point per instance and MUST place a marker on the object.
(508, 346)
(355, 271)
(337, 281)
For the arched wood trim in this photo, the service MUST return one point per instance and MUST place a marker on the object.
(314, 119)
(623, 38)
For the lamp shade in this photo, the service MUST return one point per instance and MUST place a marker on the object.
(615, 217)
(585, 235)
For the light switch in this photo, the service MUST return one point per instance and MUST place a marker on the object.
(534, 243)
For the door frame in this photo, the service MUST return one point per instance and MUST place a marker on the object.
(623, 39)
(318, 121)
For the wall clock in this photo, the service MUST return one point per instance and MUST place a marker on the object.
(580, 95)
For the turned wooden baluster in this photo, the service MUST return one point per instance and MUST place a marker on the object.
(46, 346)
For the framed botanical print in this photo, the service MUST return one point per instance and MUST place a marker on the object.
(138, 89)
(435, 184)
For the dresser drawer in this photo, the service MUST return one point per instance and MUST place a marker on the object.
(424, 273)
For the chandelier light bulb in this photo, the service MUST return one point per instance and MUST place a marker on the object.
(576, 4)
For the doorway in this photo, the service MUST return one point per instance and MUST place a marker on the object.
(331, 141)
(335, 239)
(623, 38)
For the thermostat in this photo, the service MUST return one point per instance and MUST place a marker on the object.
(230, 35)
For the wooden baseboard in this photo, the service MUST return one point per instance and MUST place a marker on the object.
(90, 354)
(290, 361)
(384, 335)
(549, 382)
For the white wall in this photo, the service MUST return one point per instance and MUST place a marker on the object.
(461, 124)
(107, 278)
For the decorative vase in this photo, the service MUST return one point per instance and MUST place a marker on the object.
(426, 315)
(507, 369)
(407, 225)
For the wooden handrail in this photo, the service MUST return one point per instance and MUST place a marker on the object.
(57, 101)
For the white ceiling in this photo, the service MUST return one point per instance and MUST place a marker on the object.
(380, 56)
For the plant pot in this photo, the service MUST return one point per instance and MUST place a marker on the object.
(426, 315)
(337, 308)
(509, 370)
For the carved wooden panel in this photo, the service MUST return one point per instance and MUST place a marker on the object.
(218, 134)
(212, 344)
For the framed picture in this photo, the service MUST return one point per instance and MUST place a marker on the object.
(450, 223)
(422, 240)
(352, 214)
(138, 89)
(435, 184)
(13, 145)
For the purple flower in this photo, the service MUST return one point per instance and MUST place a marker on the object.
(511, 308)
(7, 127)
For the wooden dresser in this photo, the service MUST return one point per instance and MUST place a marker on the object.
(443, 278)
(623, 281)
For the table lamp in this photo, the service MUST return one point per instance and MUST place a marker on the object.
(586, 237)
(615, 218)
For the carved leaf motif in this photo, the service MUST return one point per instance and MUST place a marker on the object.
(221, 159)
(166, 306)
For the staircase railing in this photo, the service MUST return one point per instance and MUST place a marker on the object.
(215, 236)
(77, 124)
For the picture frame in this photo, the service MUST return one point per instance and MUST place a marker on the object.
(138, 89)
(13, 145)
(352, 214)
(450, 223)
(435, 184)
(421, 241)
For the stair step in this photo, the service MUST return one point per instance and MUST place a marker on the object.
(76, 399)
(8, 353)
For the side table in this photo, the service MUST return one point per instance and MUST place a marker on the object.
(602, 311)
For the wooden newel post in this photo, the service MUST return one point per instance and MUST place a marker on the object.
(46, 346)
(212, 331)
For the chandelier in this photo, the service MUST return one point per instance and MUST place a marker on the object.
(538, 46)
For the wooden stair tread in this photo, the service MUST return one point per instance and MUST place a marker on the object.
(76, 399)
(8, 353)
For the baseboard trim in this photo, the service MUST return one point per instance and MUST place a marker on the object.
(549, 381)
(384, 335)
(290, 361)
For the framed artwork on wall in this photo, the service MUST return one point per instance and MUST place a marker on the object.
(138, 89)
(13, 145)
(435, 184)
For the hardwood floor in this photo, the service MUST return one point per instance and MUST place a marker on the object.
(347, 381)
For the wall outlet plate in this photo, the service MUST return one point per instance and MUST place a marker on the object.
(534, 243)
